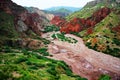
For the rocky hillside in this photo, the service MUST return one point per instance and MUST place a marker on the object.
(22, 51)
(42, 13)
(79, 24)
(105, 36)
(23, 19)
(16, 21)
(98, 26)
(92, 6)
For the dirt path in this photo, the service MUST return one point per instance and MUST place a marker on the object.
(83, 61)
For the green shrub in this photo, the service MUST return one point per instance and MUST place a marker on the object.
(43, 51)
(6, 71)
(62, 37)
(39, 57)
(21, 59)
(51, 28)
(52, 70)
(116, 41)
(33, 67)
(53, 36)
(105, 77)
(66, 68)
(7, 27)
(79, 78)
(114, 52)
(7, 49)
(40, 65)
(45, 41)
(88, 44)
(28, 63)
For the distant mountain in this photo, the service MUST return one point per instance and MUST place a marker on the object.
(72, 9)
(42, 13)
(62, 10)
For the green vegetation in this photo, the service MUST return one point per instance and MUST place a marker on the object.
(51, 28)
(42, 51)
(62, 37)
(89, 9)
(85, 12)
(105, 77)
(28, 65)
(44, 40)
(103, 39)
(7, 26)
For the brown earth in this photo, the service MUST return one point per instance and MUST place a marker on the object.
(83, 61)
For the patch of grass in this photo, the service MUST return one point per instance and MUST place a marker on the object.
(105, 77)
(28, 65)
(51, 28)
(103, 39)
(62, 37)
(45, 41)
(7, 29)
(42, 51)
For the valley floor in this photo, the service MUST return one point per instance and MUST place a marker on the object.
(83, 61)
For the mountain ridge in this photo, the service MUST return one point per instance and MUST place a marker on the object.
(40, 12)
(93, 6)
(66, 7)
(62, 10)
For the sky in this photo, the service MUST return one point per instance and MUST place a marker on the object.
(43, 4)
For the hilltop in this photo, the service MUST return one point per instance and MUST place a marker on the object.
(93, 6)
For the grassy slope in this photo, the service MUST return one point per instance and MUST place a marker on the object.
(102, 39)
(19, 64)
(7, 29)
(86, 12)
(104, 36)
(28, 65)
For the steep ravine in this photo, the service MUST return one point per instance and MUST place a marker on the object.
(83, 61)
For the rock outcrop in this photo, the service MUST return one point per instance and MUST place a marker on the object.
(42, 13)
(78, 24)
(24, 20)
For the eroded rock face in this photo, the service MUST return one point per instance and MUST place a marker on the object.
(21, 26)
(79, 24)
(85, 62)
(24, 20)
(47, 16)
